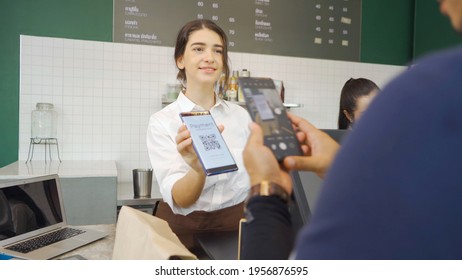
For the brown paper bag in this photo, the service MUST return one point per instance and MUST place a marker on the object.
(140, 236)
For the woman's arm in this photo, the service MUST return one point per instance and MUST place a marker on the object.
(176, 165)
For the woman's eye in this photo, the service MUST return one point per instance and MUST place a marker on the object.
(220, 51)
(198, 49)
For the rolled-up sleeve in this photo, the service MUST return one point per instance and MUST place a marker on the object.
(167, 163)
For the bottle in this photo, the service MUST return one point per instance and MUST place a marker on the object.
(240, 95)
(220, 87)
(282, 91)
(44, 121)
(232, 88)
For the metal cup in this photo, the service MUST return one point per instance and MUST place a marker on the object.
(142, 182)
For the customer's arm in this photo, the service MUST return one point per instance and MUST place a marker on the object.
(267, 233)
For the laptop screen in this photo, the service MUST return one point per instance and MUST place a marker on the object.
(28, 207)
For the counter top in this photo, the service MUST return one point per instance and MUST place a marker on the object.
(98, 250)
(125, 195)
(65, 169)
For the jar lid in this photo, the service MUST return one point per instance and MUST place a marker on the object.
(44, 106)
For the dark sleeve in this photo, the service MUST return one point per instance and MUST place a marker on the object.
(268, 232)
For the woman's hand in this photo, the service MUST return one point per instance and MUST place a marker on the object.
(185, 148)
(187, 190)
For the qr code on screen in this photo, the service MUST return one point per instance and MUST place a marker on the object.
(210, 142)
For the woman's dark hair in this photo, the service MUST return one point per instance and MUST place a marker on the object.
(183, 37)
(351, 91)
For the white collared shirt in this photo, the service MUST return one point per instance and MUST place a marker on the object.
(220, 191)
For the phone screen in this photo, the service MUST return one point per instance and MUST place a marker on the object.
(266, 108)
(208, 143)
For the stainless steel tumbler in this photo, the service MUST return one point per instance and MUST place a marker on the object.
(142, 182)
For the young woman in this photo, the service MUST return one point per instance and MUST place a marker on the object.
(193, 202)
(354, 99)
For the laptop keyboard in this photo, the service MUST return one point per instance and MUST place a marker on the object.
(44, 240)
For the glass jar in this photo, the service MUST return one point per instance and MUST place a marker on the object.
(44, 121)
(172, 91)
(245, 73)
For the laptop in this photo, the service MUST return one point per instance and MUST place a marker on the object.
(33, 222)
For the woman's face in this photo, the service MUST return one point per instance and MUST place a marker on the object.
(362, 103)
(202, 58)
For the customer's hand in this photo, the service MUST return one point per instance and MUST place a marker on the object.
(260, 162)
(319, 149)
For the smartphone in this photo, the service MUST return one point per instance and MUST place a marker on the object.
(266, 108)
(208, 143)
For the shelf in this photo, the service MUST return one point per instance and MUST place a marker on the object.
(166, 101)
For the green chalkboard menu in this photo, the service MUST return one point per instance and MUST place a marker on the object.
(328, 29)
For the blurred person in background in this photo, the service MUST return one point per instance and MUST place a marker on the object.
(355, 97)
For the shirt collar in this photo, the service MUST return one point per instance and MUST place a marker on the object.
(186, 105)
(221, 102)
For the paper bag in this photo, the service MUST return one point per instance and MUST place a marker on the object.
(140, 236)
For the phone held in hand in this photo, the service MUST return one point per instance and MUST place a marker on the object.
(208, 143)
(266, 108)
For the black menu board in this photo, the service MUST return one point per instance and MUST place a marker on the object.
(327, 29)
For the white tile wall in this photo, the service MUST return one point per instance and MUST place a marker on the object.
(105, 92)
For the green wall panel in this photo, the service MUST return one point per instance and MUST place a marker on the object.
(433, 31)
(77, 19)
(387, 31)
